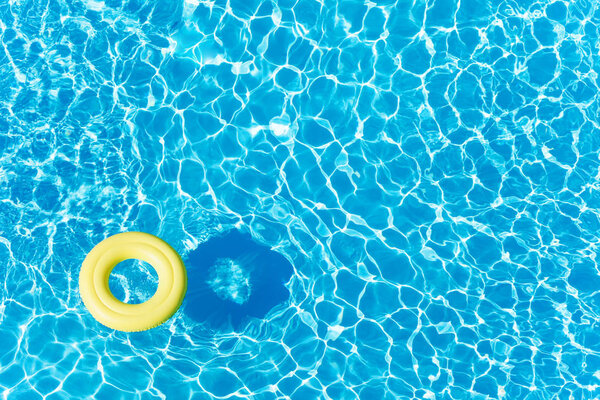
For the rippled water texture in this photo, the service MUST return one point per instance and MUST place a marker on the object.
(430, 169)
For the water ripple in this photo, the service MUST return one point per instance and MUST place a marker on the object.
(429, 167)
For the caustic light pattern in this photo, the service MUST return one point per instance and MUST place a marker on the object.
(230, 281)
(429, 168)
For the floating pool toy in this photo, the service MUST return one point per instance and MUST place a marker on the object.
(104, 306)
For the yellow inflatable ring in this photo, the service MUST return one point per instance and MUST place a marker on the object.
(108, 310)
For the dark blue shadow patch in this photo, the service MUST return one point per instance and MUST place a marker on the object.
(232, 278)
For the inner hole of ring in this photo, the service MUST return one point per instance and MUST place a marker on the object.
(133, 281)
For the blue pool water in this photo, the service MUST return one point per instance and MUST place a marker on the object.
(430, 170)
